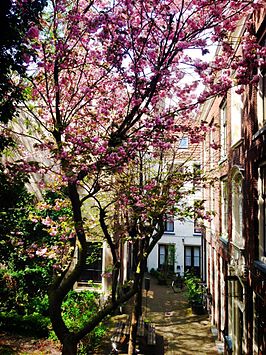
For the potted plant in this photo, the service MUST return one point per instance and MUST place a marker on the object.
(195, 293)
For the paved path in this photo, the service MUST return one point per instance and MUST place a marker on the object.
(183, 332)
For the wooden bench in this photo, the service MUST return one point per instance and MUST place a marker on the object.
(118, 336)
(151, 335)
(146, 332)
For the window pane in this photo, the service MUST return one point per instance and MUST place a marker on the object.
(162, 254)
(263, 178)
(223, 133)
(169, 225)
(237, 210)
(196, 251)
(188, 256)
(183, 144)
(224, 207)
(188, 261)
(93, 268)
(171, 255)
(236, 114)
(196, 261)
(188, 251)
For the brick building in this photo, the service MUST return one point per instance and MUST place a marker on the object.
(234, 247)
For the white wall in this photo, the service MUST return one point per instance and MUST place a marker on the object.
(182, 236)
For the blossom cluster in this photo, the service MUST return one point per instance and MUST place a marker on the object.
(114, 85)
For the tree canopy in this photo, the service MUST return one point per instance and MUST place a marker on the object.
(110, 90)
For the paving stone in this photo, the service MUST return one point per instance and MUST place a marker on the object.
(183, 332)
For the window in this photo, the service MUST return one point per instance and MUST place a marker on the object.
(262, 99)
(196, 175)
(237, 209)
(236, 115)
(192, 259)
(262, 213)
(93, 268)
(211, 144)
(169, 225)
(198, 206)
(166, 260)
(224, 208)
(212, 207)
(223, 130)
(197, 226)
(183, 144)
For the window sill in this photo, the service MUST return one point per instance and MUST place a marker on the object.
(224, 240)
(241, 248)
(237, 144)
(169, 233)
(197, 234)
(260, 266)
(259, 133)
(222, 160)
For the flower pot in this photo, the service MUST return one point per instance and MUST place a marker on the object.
(197, 308)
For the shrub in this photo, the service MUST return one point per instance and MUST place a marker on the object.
(34, 324)
(24, 291)
(77, 309)
(24, 302)
(194, 289)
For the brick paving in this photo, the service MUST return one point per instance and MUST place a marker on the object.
(182, 332)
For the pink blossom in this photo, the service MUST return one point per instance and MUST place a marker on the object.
(47, 221)
(33, 32)
(41, 252)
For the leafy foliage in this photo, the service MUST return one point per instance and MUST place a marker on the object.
(78, 308)
(34, 324)
(194, 289)
(23, 280)
(24, 291)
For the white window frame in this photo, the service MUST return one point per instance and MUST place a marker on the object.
(262, 212)
(224, 208)
(183, 143)
(223, 130)
(236, 116)
(261, 98)
(211, 140)
(169, 225)
(261, 94)
(237, 209)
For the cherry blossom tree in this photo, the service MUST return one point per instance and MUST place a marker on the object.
(158, 186)
(109, 80)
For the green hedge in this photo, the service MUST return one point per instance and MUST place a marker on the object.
(34, 325)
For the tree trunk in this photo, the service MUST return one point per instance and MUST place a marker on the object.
(136, 314)
(68, 339)
(133, 334)
(70, 347)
